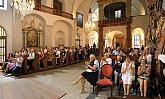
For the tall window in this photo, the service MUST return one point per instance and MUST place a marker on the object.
(118, 14)
(107, 41)
(137, 40)
(2, 44)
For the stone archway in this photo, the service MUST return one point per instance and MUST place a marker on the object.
(115, 39)
(118, 40)
(93, 38)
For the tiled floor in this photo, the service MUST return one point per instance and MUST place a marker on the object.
(62, 79)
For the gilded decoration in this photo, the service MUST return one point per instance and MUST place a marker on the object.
(32, 33)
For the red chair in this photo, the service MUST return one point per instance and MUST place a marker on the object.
(106, 72)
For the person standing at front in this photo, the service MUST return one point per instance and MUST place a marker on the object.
(128, 75)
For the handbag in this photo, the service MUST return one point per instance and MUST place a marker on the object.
(88, 70)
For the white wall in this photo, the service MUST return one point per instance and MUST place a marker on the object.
(6, 22)
(65, 28)
(48, 3)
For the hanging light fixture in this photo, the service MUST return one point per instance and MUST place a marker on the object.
(24, 7)
(90, 25)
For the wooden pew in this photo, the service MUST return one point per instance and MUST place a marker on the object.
(35, 62)
(45, 61)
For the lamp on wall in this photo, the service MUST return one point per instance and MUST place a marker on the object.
(24, 7)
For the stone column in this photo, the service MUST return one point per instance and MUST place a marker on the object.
(24, 38)
(101, 41)
(128, 7)
(101, 12)
(101, 17)
(128, 42)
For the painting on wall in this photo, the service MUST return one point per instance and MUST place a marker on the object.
(79, 18)
(32, 38)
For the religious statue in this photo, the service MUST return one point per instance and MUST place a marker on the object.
(40, 26)
(32, 24)
(25, 25)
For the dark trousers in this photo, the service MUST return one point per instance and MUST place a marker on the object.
(30, 63)
(16, 70)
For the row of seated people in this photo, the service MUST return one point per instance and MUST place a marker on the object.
(128, 68)
(43, 59)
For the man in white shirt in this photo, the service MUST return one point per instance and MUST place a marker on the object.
(58, 53)
(31, 58)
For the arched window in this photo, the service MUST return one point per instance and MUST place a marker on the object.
(137, 41)
(138, 38)
(2, 44)
(107, 41)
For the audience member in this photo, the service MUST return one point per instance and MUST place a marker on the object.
(143, 77)
(91, 74)
(128, 75)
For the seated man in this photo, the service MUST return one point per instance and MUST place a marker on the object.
(117, 68)
(31, 58)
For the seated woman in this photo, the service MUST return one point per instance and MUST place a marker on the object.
(128, 75)
(10, 66)
(143, 76)
(103, 61)
(91, 74)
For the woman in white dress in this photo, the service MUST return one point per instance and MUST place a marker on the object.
(128, 74)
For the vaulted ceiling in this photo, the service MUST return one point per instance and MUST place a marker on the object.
(74, 6)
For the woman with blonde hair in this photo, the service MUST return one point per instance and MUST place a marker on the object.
(143, 77)
(91, 74)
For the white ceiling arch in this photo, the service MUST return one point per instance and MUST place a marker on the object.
(138, 6)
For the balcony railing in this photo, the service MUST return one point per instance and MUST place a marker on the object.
(115, 22)
(50, 10)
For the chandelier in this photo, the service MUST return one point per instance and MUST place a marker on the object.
(90, 25)
(24, 7)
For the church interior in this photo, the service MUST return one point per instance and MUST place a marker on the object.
(82, 49)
